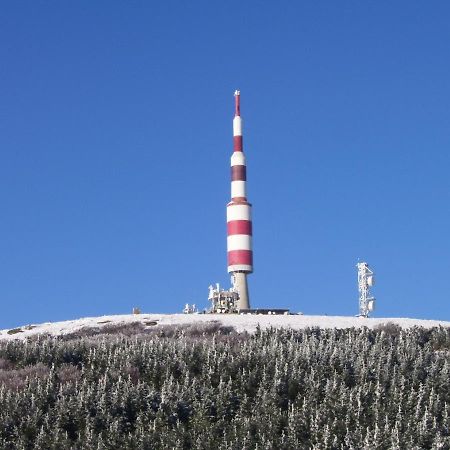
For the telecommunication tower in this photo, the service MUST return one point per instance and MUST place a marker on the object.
(366, 280)
(239, 216)
(239, 230)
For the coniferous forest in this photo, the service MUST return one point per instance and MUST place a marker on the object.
(209, 387)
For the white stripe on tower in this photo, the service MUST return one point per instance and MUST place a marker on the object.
(238, 211)
(239, 242)
(237, 126)
(238, 159)
(238, 189)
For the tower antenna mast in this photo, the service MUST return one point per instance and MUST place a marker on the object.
(366, 280)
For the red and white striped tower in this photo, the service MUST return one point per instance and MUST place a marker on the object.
(239, 220)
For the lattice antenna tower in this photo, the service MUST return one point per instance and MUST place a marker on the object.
(366, 280)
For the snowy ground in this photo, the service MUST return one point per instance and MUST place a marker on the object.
(240, 322)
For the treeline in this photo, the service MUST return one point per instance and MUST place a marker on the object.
(208, 387)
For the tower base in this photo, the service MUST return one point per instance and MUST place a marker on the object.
(241, 286)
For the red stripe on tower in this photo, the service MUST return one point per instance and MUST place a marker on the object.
(237, 143)
(238, 173)
(237, 103)
(239, 257)
(239, 227)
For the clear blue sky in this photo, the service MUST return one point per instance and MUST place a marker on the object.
(116, 133)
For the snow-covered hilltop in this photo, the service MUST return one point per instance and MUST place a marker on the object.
(239, 322)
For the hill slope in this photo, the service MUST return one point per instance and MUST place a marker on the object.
(247, 323)
(203, 387)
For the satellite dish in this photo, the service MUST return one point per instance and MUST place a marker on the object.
(370, 280)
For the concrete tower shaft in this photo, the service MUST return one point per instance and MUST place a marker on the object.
(239, 221)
